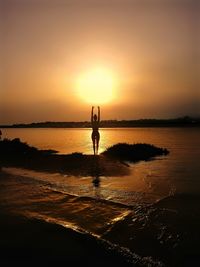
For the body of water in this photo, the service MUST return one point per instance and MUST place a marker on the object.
(179, 172)
(95, 208)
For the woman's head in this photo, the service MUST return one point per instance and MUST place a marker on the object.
(95, 117)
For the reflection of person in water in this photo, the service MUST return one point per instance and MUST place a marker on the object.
(95, 130)
(96, 181)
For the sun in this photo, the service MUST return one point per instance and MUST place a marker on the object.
(97, 86)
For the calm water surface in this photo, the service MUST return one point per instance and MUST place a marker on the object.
(179, 172)
(95, 208)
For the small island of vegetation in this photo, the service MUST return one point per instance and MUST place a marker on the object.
(15, 153)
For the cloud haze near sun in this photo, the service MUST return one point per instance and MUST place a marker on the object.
(146, 47)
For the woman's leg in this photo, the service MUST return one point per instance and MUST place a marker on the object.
(97, 141)
(93, 142)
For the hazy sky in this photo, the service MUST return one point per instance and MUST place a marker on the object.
(149, 45)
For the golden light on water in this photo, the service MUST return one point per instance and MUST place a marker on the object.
(97, 86)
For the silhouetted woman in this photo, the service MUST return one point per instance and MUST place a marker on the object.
(95, 130)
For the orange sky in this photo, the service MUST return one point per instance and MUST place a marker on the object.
(149, 46)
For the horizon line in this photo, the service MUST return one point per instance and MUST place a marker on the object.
(186, 117)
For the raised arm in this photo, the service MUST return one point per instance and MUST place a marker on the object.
(92, 114)
(98, 114)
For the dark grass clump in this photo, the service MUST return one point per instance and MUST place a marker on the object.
(134, 152)
(18, 154)
(17, 148)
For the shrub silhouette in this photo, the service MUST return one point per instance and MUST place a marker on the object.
(134, 152)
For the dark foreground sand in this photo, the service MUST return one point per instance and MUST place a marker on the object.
(26, 242)
(168, 231)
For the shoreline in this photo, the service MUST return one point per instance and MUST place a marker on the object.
(111, 162)
(29, 240)
(24, 240)
(166, 231)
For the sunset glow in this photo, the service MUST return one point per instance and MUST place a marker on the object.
(99, 132)
(132, 58)
(97, 86)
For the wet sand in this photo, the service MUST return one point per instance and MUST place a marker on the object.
(26, 242)
(165, 233)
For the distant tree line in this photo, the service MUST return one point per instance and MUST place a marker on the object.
(176, 122)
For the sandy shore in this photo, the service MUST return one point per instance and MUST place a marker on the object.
(166, 231)
(32, 241)
(35, 243)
